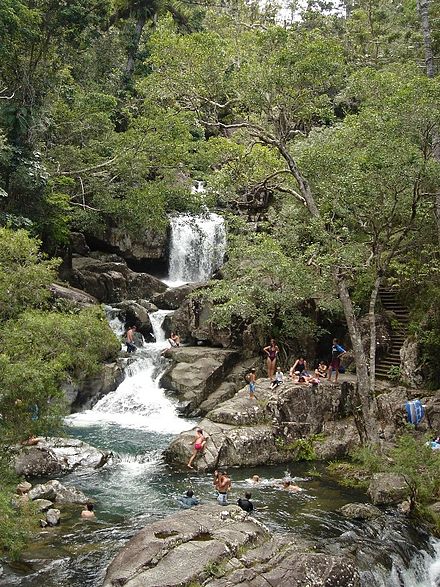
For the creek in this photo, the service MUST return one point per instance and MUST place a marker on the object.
(139, 420)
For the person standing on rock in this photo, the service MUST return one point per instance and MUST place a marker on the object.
(271, 351)
(129, 340)
(251, 378)
(199, 445)
(223, 484)
(337, 352)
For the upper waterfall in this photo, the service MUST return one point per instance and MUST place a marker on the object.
(197, 247)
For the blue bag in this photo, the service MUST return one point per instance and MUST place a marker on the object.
(414, 411)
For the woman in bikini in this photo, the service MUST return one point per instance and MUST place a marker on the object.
(271, 351)
(199, 445)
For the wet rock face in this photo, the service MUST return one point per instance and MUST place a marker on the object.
(109, 279)
(139, 247)
(360, 511)
(83, 394)
(247, 432)
(195, 373)
(58, 455)
(205, 545)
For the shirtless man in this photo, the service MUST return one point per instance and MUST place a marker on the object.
(129, 341)
(88, 512)
(223, 485)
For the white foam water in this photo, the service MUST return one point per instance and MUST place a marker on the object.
(197, 247)
(138, 402)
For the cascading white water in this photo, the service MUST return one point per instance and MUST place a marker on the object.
(157, 319)
(138, 402)
(197, 247)
(424, 570)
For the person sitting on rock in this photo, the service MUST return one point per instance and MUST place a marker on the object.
(88, 512)
(174, 340)
(188, 500)
(279, 379)
(199, 445)
(246, 503)
(322, 370)
(299, 369)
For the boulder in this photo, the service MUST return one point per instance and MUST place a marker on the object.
(78, 244)
(222, 546)
(339, 439)
(173, 298)
(387, 488)
(42, 491)
(410, 367)
(55, 491)
(360, 511)
(193, 323)
(51, 456)
(110, 280)
(53, 517)
(195, 372)
(42, 505)
(140, 247)
(24, 487)
(136, 314)
(82, 394)
(72, 294)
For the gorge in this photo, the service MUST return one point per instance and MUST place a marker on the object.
(140, 419)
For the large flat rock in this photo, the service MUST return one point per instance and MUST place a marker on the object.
(222, 546)
(51, 456)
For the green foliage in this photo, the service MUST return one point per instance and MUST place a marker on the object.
(24, 274)
(39, 350)
(302, 449)
(368, 457)
(420, 466)
(394, 373)
(17, 523)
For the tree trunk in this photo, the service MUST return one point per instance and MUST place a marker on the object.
(368, 426)
(134, 46)
(372, 322)
(423, 9)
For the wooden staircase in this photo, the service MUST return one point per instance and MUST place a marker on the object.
(398, 334)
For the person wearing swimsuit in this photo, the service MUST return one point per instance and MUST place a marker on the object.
(199, 445)
(299, 368)
(271, 351)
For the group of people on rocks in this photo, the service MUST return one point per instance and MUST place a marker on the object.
(299, 372)
(173, 339)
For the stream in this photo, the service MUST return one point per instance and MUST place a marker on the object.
(139, 420)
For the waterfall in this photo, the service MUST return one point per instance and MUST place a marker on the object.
(138, 402)
(197, 247)
(157, 319)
